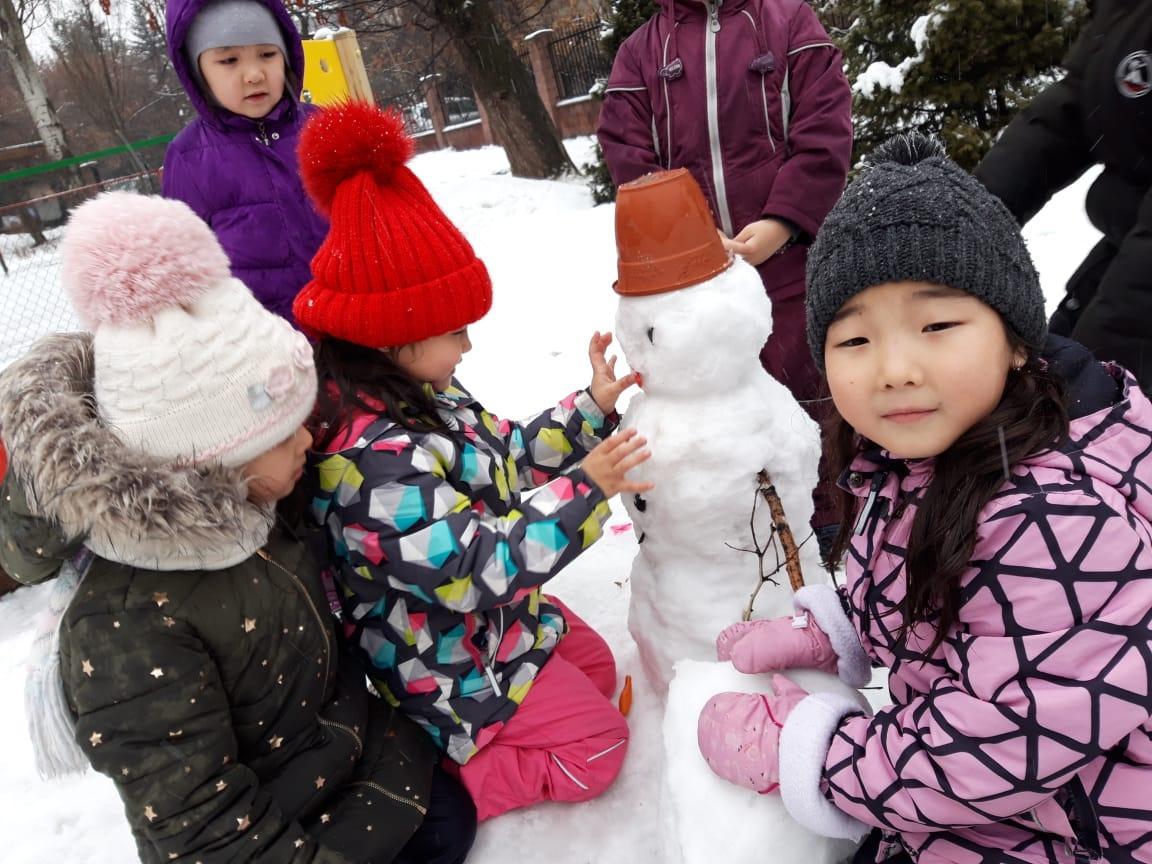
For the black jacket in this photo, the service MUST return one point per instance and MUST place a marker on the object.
(1100, 112)
(200, 662)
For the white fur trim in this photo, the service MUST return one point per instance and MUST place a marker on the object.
(804, 743)
(822, 602)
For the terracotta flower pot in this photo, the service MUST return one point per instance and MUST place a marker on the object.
(665, 236)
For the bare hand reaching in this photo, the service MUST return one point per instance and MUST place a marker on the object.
(612, 458)
(606, 387)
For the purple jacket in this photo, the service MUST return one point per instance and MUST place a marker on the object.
(1026, 736)
(241, 175)
(752, 100)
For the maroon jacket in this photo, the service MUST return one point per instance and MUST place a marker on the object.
(750, 96)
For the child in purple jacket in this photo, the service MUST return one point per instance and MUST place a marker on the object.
(242, 64)
(998, 554)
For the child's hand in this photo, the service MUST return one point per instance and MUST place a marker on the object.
(612, 458)
(759, 240)
(605, 387)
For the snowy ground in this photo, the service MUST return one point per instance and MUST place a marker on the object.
(552, 259)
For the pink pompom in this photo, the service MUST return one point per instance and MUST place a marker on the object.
(126, 257)
(348, 139)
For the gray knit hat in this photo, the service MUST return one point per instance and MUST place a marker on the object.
(230, 23)
(914, 215)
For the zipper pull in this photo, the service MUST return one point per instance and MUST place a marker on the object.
(492, 680)
(869, 503)
(263, 136)
(714, 16)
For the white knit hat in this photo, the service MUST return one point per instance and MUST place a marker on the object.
(189, 365)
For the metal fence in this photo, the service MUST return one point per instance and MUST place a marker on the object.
(33, 298)
(413, 108)
(457, 100)
(578, 60)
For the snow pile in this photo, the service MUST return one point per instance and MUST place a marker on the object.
(705, 814)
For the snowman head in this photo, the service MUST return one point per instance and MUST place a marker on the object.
(690, 317)
(703, 338)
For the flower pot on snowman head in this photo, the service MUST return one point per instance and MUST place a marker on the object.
(665, 236)
(691, 321)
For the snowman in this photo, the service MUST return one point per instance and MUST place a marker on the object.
(729, 444)
(691, 321)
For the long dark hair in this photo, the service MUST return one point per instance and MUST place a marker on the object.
(356, 379)
(1032, 416)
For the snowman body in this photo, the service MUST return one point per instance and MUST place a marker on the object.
(714, 419)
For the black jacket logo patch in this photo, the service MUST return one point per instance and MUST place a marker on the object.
(1134, 75)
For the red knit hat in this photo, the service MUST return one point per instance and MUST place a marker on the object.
(393, 269)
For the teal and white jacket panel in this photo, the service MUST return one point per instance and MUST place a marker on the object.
(442, 560)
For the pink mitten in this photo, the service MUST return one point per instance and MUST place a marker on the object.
(739, 734)
(771, 644)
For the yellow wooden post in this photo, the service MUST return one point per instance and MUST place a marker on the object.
(334, 70)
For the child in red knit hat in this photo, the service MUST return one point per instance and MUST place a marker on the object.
(420, 487)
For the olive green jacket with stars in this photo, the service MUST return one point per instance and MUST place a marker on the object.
(198, 656)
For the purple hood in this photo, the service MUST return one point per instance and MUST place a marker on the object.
(181, 14)
(241, 176)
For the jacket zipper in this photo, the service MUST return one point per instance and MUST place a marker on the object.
(263, 136)
(869, 503)
(714, 115)
(422, 810)
(494, 647)
(343, 728)
(320, 621)
(667, 108)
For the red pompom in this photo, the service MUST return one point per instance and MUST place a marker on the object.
(345, 140)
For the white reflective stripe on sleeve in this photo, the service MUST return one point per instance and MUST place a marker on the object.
(615, 746)
(813, 45)
(786, 103)
(568, 773)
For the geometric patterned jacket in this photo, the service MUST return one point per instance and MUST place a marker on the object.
(1026, 736)
(442, 561)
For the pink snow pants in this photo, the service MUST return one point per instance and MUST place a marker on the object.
(567, 740)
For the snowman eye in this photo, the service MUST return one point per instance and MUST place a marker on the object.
(651, 330)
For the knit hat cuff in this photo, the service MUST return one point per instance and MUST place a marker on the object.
(916, 253)
(271, 431)
(232, 23)
(400, 316)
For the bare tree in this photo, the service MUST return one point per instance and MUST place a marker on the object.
(95, 60)
(476, 33)
(17, 19)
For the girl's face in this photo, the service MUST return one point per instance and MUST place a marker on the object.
(273, 474)
(247, 80)
(434, 360)
(912, 366)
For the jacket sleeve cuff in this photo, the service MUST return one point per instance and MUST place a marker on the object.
(822, 602)
(804, 744)
(793, 215)
(604, 424)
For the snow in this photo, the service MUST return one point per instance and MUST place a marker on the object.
(881, 75)
(739, 821)
(552, 258)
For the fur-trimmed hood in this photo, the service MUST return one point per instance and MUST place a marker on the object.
(133, 508)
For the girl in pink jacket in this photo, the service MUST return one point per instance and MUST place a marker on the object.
(998, 554)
